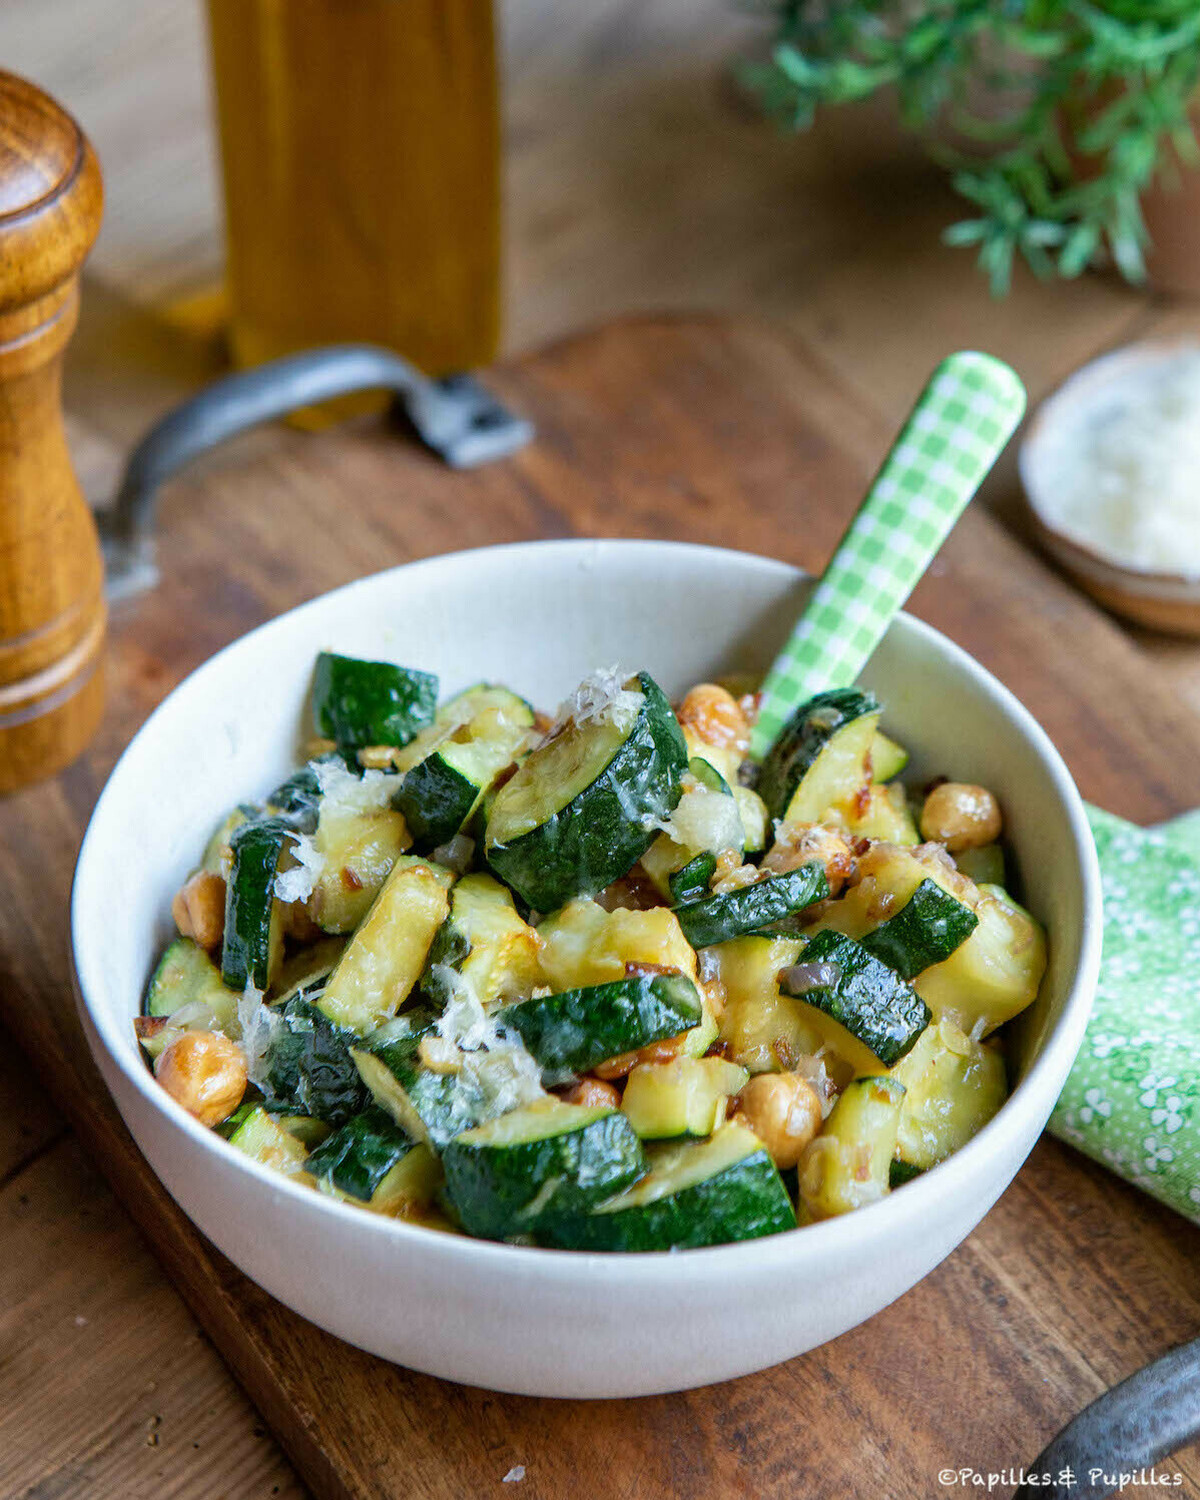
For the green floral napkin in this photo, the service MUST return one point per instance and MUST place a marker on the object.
(1133, 1098)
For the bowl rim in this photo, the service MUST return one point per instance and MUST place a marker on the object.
(828, 1239)
(1078, 551)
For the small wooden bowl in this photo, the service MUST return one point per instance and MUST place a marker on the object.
(1164, 601)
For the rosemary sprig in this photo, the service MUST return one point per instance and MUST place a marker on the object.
(1072, 108)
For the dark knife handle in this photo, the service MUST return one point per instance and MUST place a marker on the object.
(1154, 1413)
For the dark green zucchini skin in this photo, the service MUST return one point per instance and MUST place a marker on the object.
(435, 804)
(601, 833)
(574, 1030)
(744, 1202)
(708, 776)
(400, 1052)
(185, 973)
(298, 798)
(691, 882)
(437, 796)
(442, 1104)
(446, 1104)
(869, 999)
(358, 703)
(925, 931)
(803, 738)
(450, 947)
(358, 1156)
(249, 901)
(558, 1176)
(239, 1117)
(901, 1172)
(729, 914)
(308, 1068)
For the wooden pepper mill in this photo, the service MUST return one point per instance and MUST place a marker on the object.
(52, 611)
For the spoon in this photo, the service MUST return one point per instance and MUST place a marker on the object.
(956, 431)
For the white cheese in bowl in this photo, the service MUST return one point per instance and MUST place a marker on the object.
(1118, 468)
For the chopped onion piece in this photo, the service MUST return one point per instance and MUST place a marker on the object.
(194, 1016)
(802, 977)
(456, 854)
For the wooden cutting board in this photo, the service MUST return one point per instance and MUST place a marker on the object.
(713, 431)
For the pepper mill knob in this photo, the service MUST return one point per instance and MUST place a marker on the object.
(52, 612)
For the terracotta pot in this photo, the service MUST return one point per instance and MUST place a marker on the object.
(1173, 221)
(1170, 206)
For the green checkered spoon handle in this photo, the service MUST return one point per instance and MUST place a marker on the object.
(957, 430)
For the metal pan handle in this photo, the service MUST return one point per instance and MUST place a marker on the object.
(456, 417)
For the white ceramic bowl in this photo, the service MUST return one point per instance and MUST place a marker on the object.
(540, 616)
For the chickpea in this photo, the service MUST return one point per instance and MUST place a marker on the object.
(715, 716)
(960, 816)
(593, 1092)
(206, 1073)
(199, 908)
(298, 923)
(799, 843)
(783, 1110)
(656, 1052)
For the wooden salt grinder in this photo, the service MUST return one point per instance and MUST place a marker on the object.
(52, 611)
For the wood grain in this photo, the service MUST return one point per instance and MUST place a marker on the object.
(712, 431)
(635, 178)
(122, 1412)
(51, 605)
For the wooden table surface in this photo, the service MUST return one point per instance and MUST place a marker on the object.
(636, 180)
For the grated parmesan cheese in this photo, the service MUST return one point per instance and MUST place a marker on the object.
(702, 819)
(194, 1016)
(601, 697)
(344, 792)
(258, 1025)
(505, 1074)
(343, 795)
(495, 1063)
(1121, 472)
(708, 965)
(389, 1030)
(464, 1020)
(298, 882)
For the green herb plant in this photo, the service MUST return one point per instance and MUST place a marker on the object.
(1065, 109)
